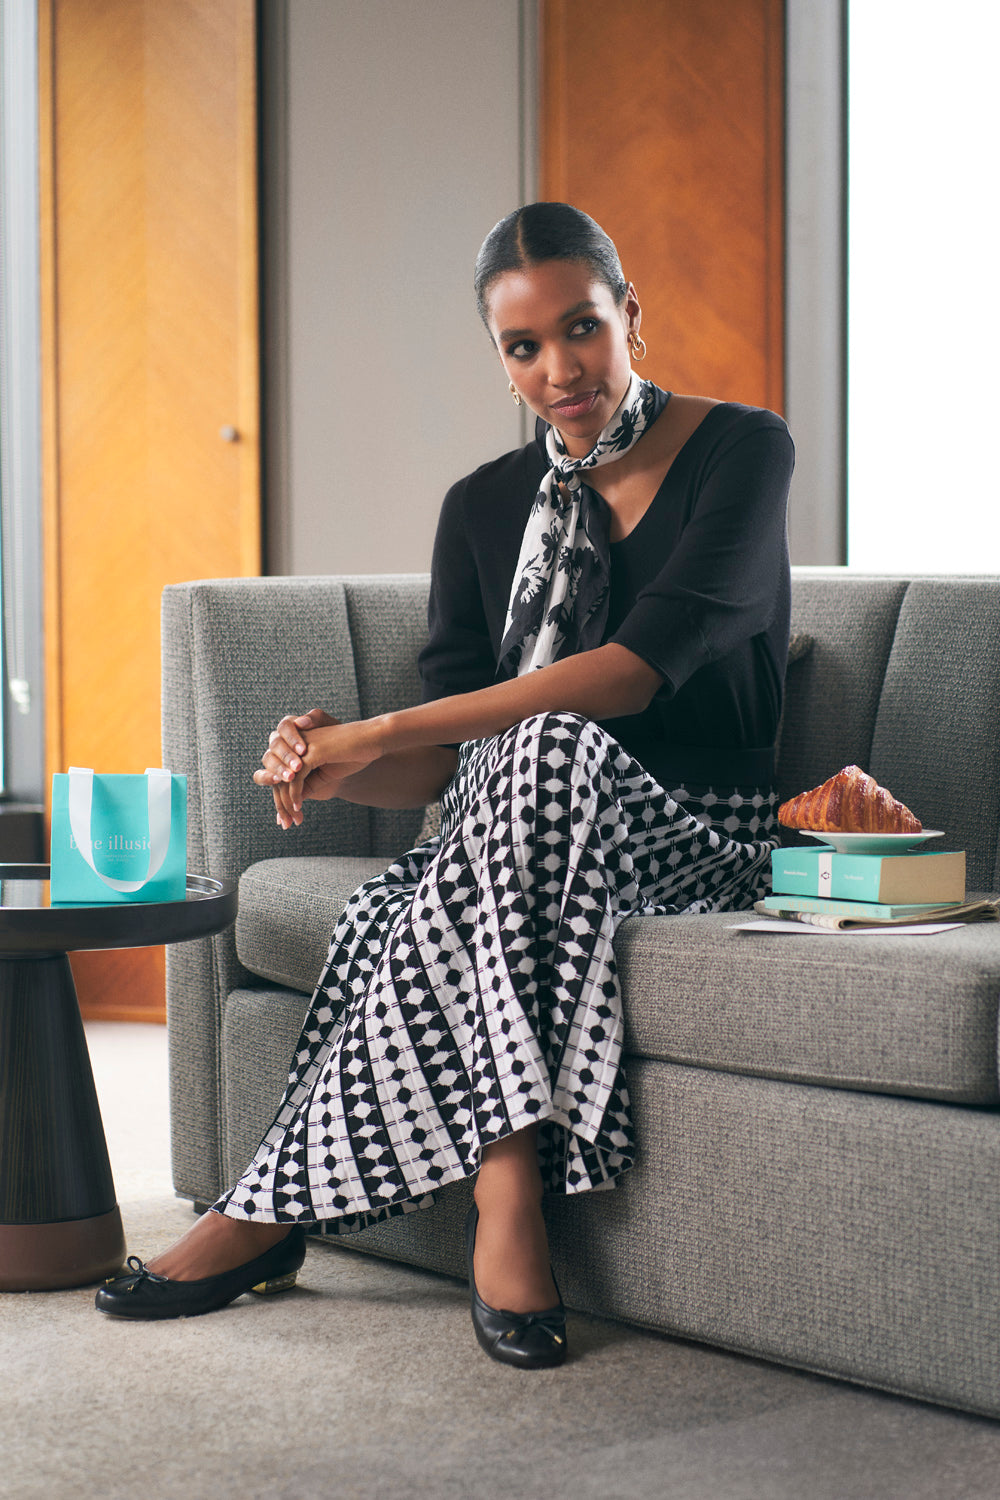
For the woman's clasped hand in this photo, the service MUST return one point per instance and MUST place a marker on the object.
(310, 756)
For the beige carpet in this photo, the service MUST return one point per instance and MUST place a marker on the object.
(365, 1381)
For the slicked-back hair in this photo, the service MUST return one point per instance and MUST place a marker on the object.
(546, 231)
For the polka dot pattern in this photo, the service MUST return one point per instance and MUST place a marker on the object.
(471, 988)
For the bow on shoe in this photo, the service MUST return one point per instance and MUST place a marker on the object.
(139, 1272)
(552, 1322)
(530, 1340)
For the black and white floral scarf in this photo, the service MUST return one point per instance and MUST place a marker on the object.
(559, 600)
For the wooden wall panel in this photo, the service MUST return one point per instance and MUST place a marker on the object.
(664, 120)
(150, 293)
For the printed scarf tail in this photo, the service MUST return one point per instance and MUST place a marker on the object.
(559, 599)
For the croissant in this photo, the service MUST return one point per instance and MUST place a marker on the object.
(849, 802)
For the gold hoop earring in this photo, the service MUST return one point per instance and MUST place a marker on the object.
(636, 346)
(515, 393)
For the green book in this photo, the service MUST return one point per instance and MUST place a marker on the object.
(915, 878)
(776, 905)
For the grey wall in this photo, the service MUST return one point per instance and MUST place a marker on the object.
(395, 134)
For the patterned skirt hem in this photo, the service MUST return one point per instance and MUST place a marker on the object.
(347, 1224)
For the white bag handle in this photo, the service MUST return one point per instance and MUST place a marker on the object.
(81, 796)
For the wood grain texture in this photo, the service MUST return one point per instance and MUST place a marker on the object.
(150, 332)
(663, 119)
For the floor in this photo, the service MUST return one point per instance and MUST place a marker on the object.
(633, 1414)
(130, 1071)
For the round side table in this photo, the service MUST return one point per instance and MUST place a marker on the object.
(59, 1220)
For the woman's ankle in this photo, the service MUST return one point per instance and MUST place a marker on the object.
(215, 1244)
(511, 1263)
(509, 1171)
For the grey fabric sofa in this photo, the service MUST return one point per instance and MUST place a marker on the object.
(819, 1172)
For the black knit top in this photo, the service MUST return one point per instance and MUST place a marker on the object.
(699, 589)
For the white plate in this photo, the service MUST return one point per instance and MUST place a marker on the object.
(873, 843)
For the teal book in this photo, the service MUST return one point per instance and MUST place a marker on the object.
(776, 905)
(917, 878)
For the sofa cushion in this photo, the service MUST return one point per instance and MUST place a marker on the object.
(914, 1016)
(288, 910)
(889, 1014)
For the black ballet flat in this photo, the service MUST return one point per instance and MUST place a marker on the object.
(529, 1341)
(140, 1293)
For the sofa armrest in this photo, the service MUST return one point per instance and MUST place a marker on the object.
(237, 655)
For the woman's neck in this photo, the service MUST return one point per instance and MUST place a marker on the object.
(630, 483)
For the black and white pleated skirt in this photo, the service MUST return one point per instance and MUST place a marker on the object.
(470, 990)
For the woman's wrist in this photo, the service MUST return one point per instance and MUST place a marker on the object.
(421, 727)
(382, 734)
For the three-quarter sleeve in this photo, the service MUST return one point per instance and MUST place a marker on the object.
(727, 573)
(475, 553)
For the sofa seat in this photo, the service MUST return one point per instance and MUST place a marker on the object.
(892, 1015)
(288, 910)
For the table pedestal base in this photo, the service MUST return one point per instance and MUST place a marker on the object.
(43, 1257)
(59, 1220)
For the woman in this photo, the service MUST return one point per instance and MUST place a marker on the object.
(602, 684)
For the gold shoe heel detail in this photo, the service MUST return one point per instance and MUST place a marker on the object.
(276, 1284)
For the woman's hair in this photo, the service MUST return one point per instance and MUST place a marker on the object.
(546, 231)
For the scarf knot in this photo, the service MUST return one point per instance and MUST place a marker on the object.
(559, 598)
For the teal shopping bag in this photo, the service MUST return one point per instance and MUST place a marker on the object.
(118, 838)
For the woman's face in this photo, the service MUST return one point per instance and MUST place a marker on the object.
(563, 341)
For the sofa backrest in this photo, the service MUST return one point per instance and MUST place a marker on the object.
(239, 653)
(937, 735)
(388, 622)
(832, 693)
(903, 679)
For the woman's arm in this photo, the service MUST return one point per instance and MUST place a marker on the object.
(334, 760)
(403, 778)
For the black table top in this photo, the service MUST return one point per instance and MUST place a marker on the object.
(28, 924)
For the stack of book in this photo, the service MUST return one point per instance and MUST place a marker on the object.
(829, 889)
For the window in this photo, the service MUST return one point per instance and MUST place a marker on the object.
(923, 300)
(21, 709)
